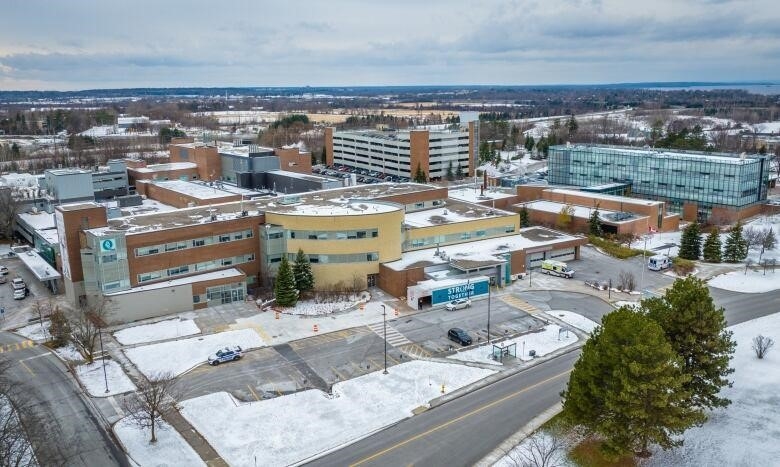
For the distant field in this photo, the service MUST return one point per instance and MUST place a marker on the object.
(402, 112)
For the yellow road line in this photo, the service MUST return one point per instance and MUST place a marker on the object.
(253, 392)
(339, 375)
(374, 363)
(456, 420)
(27, 368)
(392, 359)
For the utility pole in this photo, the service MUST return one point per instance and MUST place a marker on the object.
(384, 326)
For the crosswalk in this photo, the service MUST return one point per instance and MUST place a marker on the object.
(16, 346)
(415, 351)
(321, 339)
(394, 338)
(511, 300)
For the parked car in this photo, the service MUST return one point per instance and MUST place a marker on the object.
(228, 354)
(458, 304)
(3, 270)
(459, 335)
(18, 283)
(19, 294)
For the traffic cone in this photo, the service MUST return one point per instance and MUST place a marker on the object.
(316, 328)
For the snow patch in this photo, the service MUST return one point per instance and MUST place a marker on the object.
(162, 330)
(91, 376)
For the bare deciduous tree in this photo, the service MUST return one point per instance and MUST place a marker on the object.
(762, 344)
(542, 449)
(20, 426)
(85, 326)
(155, 397)
(627, 281)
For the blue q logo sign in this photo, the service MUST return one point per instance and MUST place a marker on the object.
(107, 245)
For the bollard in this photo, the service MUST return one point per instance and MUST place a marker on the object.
(397, 313)
(442, 388)
(276, 315)
(316, 328)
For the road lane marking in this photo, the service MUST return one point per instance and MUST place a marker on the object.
(116, 407)
(395, 362)
(456, 420)
(338, 375)
(253, 392)
(47, 354)
(27, 368)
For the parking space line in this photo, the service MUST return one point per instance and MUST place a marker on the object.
(29, 370)
(253, 392)
(357, 367)
(371, 360)
(338, 375)
(395, 362)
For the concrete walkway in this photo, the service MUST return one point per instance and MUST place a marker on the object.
(195, 440)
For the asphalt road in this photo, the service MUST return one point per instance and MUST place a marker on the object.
(75, 437)
(462, 431)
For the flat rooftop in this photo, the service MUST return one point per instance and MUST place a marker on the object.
(356, 200)
(600, 196)
(232, 273)
(300, 176)
(482, 252)
(452, 212)
(165, 167)
(79, 206)
(581, 212)
(474, 195)
(723, 157)
(193, 190)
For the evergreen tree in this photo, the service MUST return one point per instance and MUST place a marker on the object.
(594, 226)
(459, 172)
(524, 220)
(736, 248)
(690, 242)
(284, 288)
(450, 174)
(304, 278)
(770, 240)
(628, 387)
(712, 247)
(697, 332)
(529, 143)
(419, 175)
(571, 125)
(484, 152)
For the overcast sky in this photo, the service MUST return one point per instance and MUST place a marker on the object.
(81, 44)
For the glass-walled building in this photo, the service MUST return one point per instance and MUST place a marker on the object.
(709, 180)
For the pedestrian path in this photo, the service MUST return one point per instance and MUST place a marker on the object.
(415, 351)
(394, 338)
(511, 300)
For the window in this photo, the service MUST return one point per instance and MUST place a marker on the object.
(108, 258)
(361, 234)
(198, 242)
(196, 299)
(224, 238)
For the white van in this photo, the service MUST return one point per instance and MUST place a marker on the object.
(659, 263)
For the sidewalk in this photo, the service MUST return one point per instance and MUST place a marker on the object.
(195, 440)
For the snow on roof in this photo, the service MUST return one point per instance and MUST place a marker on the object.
(208, 276)
(472, 195)
(598, 196)
(482, 250)
(165, 167)
(39, 267)
(38, 221)
(50, 235)
(454, 211)
(581, 212)
(195, 190)
(726, 158)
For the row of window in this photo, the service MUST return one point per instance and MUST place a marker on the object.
(330, 259)
(195, 267)
(457, 237)
(332, 235)
(193, 243)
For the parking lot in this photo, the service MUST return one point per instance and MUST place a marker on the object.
(17, 311)
(361, 175)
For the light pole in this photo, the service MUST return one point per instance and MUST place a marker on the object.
(488, 326)
(384, 327)
(103, 352)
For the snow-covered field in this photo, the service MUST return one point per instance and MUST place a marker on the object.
(69, 352)
(169, 450)
(91, 376)
(574, 319)
(289, 429)
(546, 341)
(314, 308)
(179, 356)
(752, 282)
(39, 332)
(162, 330)
(747, 432)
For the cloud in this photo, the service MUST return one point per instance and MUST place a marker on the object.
(353, 42)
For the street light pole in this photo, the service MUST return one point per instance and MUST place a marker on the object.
(384, 327)
(488, 326)
(103, 352)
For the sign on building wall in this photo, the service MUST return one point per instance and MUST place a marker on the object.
(465, 290)
(108, 244)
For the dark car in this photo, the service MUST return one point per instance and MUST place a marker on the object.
(459, 335)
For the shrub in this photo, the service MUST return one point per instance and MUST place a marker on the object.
(614, 249)
(682, 267)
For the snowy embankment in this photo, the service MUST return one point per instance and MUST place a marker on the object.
(549, 339)
(574, 319)
(289, 429)
(750, 282)
(94, 380)
(169, 450)
(38, 332)
(179, 356)
(168, 329)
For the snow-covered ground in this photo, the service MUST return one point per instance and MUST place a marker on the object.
(288, 429)
(162, 330)
(169, 450)
(574, 319)
(662, 243)
(620, 303)
(317, 308)
(762, 223)
(750, 282)
(747, 432)
(70, 353)
(548, 340)
(179, 356)
(39, 332)
(91, 376)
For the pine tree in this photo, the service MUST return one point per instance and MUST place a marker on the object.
(450, 173)
(735, 249)
(459, 172)
(628, 387)
(525, 221)
(304, 278)
(712, 247)
(594, 225)
(697, 333)
(284, 288)
(419, 175)
(571, 125)
(690, 242)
